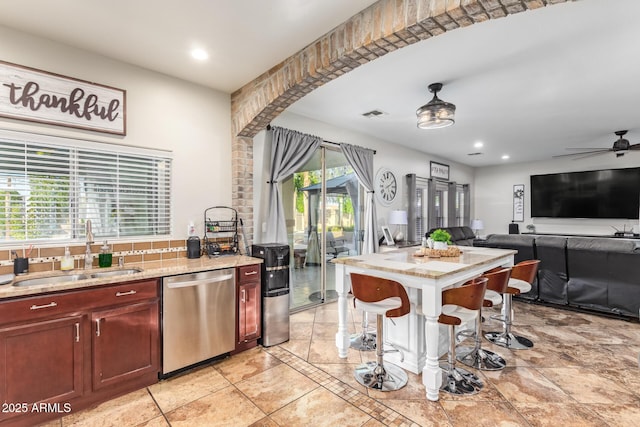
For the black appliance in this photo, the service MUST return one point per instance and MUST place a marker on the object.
(610, 193)
(275, 291)
(514, 228)
(193, 247)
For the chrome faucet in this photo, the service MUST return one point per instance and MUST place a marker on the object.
(88, 232)
(88, 258)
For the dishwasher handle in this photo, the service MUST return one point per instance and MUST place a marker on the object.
(189, 283)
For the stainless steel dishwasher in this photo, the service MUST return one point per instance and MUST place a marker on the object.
(198, 317)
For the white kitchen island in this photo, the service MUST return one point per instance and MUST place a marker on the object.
(417, 333)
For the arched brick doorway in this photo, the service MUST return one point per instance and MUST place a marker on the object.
(382, 28)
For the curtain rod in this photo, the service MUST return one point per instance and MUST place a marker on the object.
(327, 142)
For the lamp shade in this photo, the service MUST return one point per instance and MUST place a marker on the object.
(477, 224)
(398, 218)
(436, 113)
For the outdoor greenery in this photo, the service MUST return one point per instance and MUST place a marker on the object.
(47, 203)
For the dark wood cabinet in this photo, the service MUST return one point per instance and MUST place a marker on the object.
(125, 343)
(77, 348)
(41, 362)
(249, 303)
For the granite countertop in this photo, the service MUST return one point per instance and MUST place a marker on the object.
(150, 270)
(409, 261)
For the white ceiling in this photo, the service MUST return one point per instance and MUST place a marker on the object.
(244, 38)
(528, 85)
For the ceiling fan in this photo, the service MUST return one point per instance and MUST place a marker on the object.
(620, 147)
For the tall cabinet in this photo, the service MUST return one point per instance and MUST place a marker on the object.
(249, 307)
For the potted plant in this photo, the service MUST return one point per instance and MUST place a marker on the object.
(441, 239)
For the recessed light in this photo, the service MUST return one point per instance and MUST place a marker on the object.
(199, 54)
(505, 157)
(478, 144)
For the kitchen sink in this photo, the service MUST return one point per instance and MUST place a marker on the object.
(118, 272)
(61, 278)
(50, 280)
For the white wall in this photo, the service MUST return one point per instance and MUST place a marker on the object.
(494, 200)
(400, 160)
(162, 112)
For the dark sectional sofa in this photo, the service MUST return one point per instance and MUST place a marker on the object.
(461, 236)
(593, 273)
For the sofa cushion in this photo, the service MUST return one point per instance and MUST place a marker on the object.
(552, 271)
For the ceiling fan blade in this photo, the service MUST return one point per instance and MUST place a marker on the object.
(588, 148)
(634, 147)
(591, 154)
(587, 153)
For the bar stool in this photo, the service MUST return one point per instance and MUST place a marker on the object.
(522, 275)
(388, 298)
(460, 305)
(476, 356)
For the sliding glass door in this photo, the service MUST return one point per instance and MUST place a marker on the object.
(324, 222)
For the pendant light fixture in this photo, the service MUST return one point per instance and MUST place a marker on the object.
(436, 113)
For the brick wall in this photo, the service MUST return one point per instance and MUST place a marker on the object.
(382, 28)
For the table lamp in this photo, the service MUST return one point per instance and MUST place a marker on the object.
(398, 218)
(476, 226)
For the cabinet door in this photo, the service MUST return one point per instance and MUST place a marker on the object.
(125, 343)
(41, 362)
(249, 312)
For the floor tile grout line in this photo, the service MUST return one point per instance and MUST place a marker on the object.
(344, 385)
(159, 408)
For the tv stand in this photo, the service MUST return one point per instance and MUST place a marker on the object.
(619, 235)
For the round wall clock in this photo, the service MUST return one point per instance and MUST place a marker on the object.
(386, 186)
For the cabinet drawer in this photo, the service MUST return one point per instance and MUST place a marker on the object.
(249, 273)
(40, 307)
(124, 293)
(54, 305)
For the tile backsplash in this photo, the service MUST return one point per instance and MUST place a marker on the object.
(48, 258)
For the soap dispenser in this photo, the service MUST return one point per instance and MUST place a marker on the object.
(105, 256)
(66, 263)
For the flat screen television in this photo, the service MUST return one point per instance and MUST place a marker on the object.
(609, 193)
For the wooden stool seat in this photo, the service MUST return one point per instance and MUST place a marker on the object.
(388, 298)
(379, 307)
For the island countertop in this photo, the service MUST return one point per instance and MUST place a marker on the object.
(150, 270)
(406, 261)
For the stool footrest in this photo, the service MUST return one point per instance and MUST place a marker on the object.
(363, 342)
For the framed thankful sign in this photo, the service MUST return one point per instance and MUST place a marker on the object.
(42, 97)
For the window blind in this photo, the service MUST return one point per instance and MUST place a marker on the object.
(50, 186)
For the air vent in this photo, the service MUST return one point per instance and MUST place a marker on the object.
(475, 154)
(373, 113)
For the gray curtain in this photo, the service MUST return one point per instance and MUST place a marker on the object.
(452, 221)
(361, 160)
(432, 221)
(290, 150)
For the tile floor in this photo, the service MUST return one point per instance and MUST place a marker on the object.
(583, 371)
